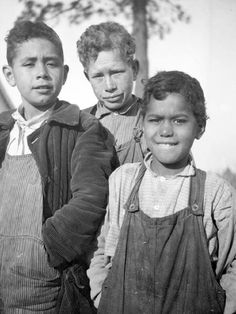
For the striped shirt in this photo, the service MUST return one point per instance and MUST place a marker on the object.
(119, 123)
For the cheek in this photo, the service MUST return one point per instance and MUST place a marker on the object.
(148, 134)
(96, 88)
(128, 85)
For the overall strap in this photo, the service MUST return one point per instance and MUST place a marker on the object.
(197, 188)
(138, 129)
(132, 203)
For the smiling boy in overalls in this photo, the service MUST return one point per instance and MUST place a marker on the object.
(168, 241)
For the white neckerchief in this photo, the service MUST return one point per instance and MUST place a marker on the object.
(22, 128)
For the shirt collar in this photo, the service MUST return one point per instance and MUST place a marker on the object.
(32, 123)
(188, 171)
(103, 111)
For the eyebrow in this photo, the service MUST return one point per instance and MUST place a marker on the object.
(172, 116)
(56, 58)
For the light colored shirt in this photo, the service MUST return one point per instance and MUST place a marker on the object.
(22, 128)
(160, 197)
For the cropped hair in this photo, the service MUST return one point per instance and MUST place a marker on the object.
(166, 82)
(104, 37)
(26, 30)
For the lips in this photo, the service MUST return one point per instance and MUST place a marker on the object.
(43, 87)
(113, 98)
(166, 144)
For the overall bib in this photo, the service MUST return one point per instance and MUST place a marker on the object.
(162, 265)
(27, 283)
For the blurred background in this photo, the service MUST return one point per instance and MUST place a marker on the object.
(197, 37)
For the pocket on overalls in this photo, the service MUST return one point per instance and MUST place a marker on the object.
(30, 261)
(28, 278)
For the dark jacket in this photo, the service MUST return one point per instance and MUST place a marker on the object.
(74, 159)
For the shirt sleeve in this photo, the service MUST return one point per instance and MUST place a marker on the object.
(107, 240)
(227, 255)
(99, 266)
(224, 212)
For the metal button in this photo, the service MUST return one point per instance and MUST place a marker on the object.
(132, 207)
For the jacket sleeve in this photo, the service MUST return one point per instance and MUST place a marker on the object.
(69, 234)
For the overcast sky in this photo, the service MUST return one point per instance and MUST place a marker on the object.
(205, 48)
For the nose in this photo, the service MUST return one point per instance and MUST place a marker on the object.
(166, 129)
(110, 84)
(42, 71)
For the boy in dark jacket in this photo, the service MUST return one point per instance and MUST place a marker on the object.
(106, 51)
(55, 161)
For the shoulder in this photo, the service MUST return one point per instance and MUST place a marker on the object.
(6, 118)
(216, 183)
(126, 172)
(70, 114)
(121, 182)
(91, 109)
(218, 192)
(87, 119)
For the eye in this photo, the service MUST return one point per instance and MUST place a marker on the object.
(28, 64)
(154, 120)
(97, 76)
(180, 120)
(52, 64)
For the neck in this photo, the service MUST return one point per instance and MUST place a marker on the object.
(29, 112)
(166, 170)
(127, 106)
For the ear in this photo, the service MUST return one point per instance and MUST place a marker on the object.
(86, 75)
(200, 132)
(9, 75)
(66, 71)
(135, 68)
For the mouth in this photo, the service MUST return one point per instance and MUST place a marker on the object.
(113, 98)
(43, 88)
(167, 144)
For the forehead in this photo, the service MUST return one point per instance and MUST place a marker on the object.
(36, 48)
(107, 59)
(173, 104)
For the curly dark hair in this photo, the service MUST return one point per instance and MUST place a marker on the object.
(166, 82)
(105, 36)
(26, 30)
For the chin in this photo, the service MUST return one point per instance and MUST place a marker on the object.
(114, 107)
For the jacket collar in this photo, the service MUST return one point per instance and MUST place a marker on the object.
(63, 112)
(6, 120)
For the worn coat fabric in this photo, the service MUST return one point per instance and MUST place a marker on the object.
(74, 159)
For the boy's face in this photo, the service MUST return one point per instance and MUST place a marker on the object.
(38, 72)
(170, 129)
(112, 79)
